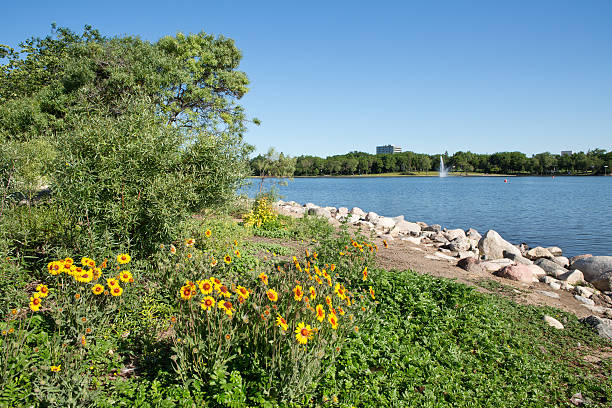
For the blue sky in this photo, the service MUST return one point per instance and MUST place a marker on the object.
(429, 76)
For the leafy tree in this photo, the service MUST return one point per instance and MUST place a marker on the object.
(272, 165)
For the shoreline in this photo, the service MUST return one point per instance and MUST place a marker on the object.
(580, 282)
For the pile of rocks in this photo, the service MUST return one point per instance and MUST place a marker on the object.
(588, 278)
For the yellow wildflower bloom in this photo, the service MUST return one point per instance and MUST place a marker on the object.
(116, 290)
(56, 368)
(206, 287)
(303, 333)
(97, 289)
(272, 295)
(123, 258)
(320, 312)
(280, 321)
(42, 290)
(208, 303)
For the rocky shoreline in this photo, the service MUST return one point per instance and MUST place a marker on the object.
(588, 278)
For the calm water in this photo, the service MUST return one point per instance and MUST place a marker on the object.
(574, 213)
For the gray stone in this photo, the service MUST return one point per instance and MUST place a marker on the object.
(566, 286)
(553, 322)
(459, 244)
(601, 325)
(471, 265)
(517, 258)
(604, 281)
(444, 256)
(572, 277)
(320, 212)
(593, 267)
(310, 205)
(433, 227)
(577, 257)
(538, 252)
(550, 267)
(353, 218)
(440, 239)
(473, 234)
(366, 224)
(561, 261)
(584, 300)
(333, 210)
(398, 218)
(548, 280)
(492, 246)
(422, 224)
(555, 251)
(342, 211)
(549, 294)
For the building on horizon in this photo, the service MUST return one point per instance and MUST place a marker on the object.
(388, 149)
(566, 152)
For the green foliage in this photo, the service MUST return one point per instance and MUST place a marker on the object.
(262, 215)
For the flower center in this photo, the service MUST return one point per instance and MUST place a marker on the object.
(304, 332)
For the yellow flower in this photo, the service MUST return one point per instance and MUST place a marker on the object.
(320, 312)
(227, 259)
(42, 290)
(56, 368)
(190, 242)
(55, 268)
(97, 272)
(313, 293)
(365, 273)
(84, 276)
(298, 293)
(69, 261)
(341, 311)
(35, 302)
(172, 249)
(216, 282)
(264, 278)
(213, 262)
(206, 287)
(243, 292)
(224, 291)
(97, 289)
(116, 290)
(303, 333)
(272, 295)
(187, 292)
(227, 306)
(208, 233)
(328, 301)
(280, 321)
(123, 258)
(112, 282)
(333, 320)
(125, 276)
(208, 303)
(385, 244)
(237, 253)
(372, 292)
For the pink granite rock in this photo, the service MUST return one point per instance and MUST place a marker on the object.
(518, 272)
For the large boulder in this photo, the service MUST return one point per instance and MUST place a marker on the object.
(593, 267)
(398, 218)
(406, 228)
(536, 270)
(342, 211)
(577, 257)
(495, 265)
(518, 272)
(433, 227)
(550, 267)
(454, 234)
(320, 212)
(603, 281)
(538, 252)
(492, 246)
(556, 251)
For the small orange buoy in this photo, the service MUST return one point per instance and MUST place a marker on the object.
(505, 180)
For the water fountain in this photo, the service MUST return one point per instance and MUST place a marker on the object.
(443, 170)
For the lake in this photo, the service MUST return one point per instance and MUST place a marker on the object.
(574, 213)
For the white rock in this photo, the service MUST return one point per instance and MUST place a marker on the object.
(398, 218)
(584, 291)
(496, 264)
(466, 254)
(357, 211)
(572, 277)
(454, 234)
(561, 261)
(537, 253)
(405, 227)
(444, 256)
(555, 285)
(385, 222)
(353, 218)
(366, 224)
(536, 270)
(555, 251)
(342, 211)
(549, 279)
(566, 286)
(310, 205)
(553, 322)
(584, 300)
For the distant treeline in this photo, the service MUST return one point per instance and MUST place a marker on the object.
(590, 163)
